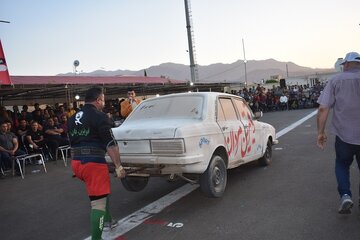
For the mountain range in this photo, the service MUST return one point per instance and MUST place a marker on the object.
(256, 70)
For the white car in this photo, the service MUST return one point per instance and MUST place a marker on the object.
(193, 136)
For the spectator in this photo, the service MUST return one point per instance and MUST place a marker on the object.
(9, 146)
(25, 114)
(283, 102)
(56, 120)
(22, 129)
(37, 116)
(10, 127)
(15, 115)
(341, 95)
(37, 108)
(63, 125)
(4, 115)
(35, 141)
(21, 132)
(129, 104)
(61, 111)
(71, 110)
(53, 136)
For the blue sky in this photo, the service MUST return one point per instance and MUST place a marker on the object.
(45, 37)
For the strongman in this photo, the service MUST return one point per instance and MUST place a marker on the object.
(90, 138)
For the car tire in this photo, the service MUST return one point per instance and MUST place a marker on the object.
(266, 159)
(134, 184)
(213, 180)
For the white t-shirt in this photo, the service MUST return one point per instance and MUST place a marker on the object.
(283, 99)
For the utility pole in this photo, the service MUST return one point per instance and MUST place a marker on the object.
(244, 62)
(193, 67)
(287, 71)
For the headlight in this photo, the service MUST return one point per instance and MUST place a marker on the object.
(168, 146)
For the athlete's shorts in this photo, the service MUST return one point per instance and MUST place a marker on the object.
(95, 175)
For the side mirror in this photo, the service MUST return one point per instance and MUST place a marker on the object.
(118, 123)
(258, 115)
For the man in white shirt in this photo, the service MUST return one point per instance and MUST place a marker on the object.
(283, 102)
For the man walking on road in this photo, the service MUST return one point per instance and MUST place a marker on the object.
(342, 94)
(90, 138)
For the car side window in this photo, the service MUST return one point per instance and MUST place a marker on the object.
(220, 112)
(228, 108)
(243, 109)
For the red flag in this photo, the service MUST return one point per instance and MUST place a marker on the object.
(4, 73)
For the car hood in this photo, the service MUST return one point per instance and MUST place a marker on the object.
(151, 129)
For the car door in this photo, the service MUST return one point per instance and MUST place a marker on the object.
(251, 144)
(232, 129)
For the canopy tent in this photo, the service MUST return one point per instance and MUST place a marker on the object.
(52, 89)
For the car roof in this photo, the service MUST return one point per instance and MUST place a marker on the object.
(205, 94)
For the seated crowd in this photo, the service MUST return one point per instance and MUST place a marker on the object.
(287, 98)
(40, 131)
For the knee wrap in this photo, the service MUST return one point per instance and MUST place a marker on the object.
(99, 204)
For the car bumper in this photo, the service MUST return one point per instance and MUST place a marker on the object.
(162, 165)
(167, 160)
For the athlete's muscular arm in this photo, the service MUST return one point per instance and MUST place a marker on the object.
(104, 130)
(114, 154)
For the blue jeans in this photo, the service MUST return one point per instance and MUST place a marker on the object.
(6, 157)
(345, 153)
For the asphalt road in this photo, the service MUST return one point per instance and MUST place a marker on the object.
(294, 198)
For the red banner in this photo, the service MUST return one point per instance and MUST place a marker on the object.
(4, 73)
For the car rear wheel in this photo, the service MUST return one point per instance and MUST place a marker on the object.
(266, 159)
(134, 184)
(213, 180)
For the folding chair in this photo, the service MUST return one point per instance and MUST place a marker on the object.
(26, 148)
(24, 158)
(27, 157)
(64, 153)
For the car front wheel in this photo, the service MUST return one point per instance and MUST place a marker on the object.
(213, 180)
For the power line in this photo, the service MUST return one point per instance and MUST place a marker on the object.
(230, 69)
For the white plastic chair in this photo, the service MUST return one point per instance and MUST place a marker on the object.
(27, 157)
(24, 158)
(64, 153)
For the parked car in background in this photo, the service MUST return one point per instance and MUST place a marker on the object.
(193, 136)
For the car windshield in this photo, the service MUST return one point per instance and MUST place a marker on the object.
(188, 107)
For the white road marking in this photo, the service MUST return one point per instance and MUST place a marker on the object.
(138, 217)
(295, 124)
(175, 225)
